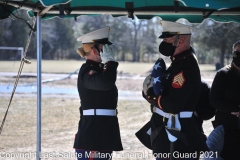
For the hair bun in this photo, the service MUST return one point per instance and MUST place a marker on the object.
(81, 52)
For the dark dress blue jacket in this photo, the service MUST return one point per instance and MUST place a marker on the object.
(97, 90)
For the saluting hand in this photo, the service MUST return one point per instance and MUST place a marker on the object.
(107, 54)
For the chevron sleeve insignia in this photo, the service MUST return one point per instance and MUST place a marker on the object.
(178, 80)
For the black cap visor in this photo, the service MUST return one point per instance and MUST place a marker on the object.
(168, 34)
(102, 41)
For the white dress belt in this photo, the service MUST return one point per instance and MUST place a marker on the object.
(167, 115)
(100, 112)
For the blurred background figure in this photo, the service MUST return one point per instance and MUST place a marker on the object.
(225, 97)
(204, 110)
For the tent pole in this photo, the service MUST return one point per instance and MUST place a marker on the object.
(39, 86)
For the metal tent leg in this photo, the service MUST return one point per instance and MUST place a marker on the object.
(39, 86)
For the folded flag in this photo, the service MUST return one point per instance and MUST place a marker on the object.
(158, 71)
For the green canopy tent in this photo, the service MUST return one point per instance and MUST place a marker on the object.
(193, 11)
(172, 10)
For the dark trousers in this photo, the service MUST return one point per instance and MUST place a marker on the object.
(93, 155)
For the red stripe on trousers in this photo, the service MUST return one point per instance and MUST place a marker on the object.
(92, 155)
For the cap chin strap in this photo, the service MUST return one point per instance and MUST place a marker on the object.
(96, 47)
(176, 40)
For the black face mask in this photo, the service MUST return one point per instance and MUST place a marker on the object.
(236, 58)
(167, 49)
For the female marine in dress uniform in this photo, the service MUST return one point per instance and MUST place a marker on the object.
(98, 129)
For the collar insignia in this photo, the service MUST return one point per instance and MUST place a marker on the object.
(91, 72)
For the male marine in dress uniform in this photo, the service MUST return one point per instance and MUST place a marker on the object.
(173, 129)
(98, 129)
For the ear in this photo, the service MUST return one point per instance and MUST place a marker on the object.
(181, 40)
(95, 52)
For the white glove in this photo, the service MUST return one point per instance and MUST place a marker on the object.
(147, 83)
(107, 54)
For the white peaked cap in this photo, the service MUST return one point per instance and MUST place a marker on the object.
(97, 36)
(174, 28)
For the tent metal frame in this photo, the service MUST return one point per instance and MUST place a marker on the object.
(39, 88)
(39, 81)
(116, 11)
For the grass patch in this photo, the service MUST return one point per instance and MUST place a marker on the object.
(69, 66)
(60, 118)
